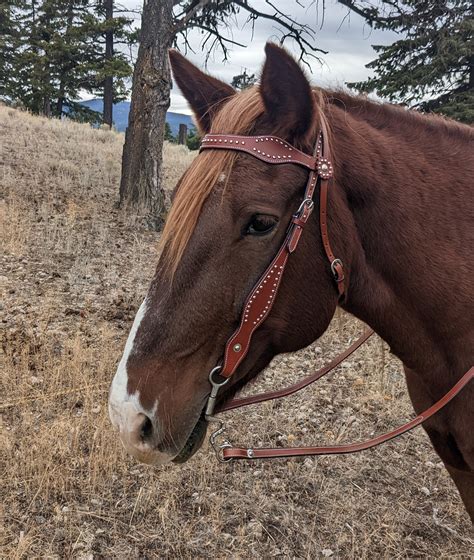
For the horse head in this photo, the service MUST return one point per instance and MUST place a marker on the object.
(229, 216)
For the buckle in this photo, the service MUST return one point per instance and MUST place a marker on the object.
(334, 264)
(307, 203)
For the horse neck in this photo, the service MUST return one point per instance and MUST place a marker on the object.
(409, 263)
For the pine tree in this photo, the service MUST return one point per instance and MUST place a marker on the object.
(243, 80)
(431, 66)
(193, 141)
(10, 32)
(110, 68)
(169, 136)
(54, 50)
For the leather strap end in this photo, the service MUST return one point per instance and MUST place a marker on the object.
(294, 238)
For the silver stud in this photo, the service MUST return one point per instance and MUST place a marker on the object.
(237, 347)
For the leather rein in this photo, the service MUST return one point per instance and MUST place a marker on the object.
(257, 307)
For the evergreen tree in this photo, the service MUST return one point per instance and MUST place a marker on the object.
(109, 67)
(10, 27)
(243, 80)
(169, 133)
(54, 51)
(431, 66)
(193, 141)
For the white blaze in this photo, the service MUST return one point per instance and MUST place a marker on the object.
(118, 391)
(125, 410)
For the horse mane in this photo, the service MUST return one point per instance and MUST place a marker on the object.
(238, 116)
(387, 115)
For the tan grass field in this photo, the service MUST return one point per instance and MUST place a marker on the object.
(74, 270)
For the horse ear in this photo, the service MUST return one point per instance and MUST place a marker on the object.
(287, 95)
(204, 93)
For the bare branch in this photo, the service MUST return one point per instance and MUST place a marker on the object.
(216, 33)
(187, 44)
(188, 15)
(197, 16)
(370, 14)
(294, 30)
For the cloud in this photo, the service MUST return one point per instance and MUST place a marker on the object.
(345, 35)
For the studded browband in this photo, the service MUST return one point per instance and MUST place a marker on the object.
(259, 303)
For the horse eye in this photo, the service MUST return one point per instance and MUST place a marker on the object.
(261, 225)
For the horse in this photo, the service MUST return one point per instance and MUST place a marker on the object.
(400, 217)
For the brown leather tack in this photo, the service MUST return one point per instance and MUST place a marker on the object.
(308, 380)
(274, 150)
(270, 149)
(259, 303)
(269, 453)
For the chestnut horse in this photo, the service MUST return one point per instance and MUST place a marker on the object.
(400, 215)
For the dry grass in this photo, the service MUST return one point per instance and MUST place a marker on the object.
(74, 272)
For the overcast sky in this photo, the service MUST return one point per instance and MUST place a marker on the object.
(345, 35)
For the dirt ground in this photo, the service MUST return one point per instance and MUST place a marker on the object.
(74, 270)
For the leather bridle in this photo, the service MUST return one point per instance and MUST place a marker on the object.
(257, 307)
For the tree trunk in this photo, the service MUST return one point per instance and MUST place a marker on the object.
(109, 53)
(141, 182)
(46, 109)
(60, 102)
(66, 67)
(182, 134)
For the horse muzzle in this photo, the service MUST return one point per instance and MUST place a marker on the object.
(139, 433)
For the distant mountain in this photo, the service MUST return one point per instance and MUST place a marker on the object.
(122, 109)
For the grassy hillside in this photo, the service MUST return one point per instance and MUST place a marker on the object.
(74, 270)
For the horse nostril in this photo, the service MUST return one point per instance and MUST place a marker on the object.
(146, 430)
